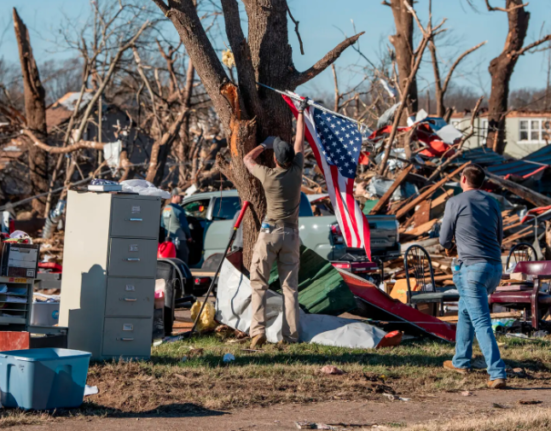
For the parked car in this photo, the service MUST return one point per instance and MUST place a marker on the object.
(210, 216)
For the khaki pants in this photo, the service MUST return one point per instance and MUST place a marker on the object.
(283, 244)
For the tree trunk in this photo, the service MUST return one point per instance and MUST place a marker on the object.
(501, 68)
(438, 92)
(35, 111)
(248, 115)
(403, 46)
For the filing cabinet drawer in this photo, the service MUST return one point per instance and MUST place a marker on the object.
(135, 217)
(127, 337)
(133, 257)
(130, 297)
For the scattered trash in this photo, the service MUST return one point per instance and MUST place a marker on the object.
(497, 406)
(467, 393)
(331, 369)
(529, 402)
(540, 334)
(518, 335)
(184, 359)
(251, 350)
(206, 322)
(306, 425)
(392, 397)
(90, 390)
(228, 357)
(195, 352)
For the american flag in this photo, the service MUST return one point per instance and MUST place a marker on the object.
(336, 144)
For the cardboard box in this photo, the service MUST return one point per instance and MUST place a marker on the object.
(19, 260)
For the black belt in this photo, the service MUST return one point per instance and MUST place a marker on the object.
(281, 224)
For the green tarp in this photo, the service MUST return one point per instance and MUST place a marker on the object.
(321, 288)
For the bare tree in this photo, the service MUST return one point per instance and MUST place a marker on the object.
(502, 67)
(442, 86)
(403, 46)
(247, 114)
(35, 111)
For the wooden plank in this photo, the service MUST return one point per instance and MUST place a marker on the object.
(420, 230)
(525, 193)
(522, 234)
(422, 215)
(429, 192)
(388, 194)
(441, 199)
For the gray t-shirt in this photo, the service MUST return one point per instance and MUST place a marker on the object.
(474, 219)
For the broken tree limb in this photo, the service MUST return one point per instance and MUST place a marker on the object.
(303, 77)
(81, 145)
(429, 192)
(388, 194)
(525, 193)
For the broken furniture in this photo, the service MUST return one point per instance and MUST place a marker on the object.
(529, 294)
(418, 266)
(109, 269)
(522, 252)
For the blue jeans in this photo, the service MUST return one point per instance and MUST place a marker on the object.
(475, 283)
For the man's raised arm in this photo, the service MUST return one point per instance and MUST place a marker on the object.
(299, 139)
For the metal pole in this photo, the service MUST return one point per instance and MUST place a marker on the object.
(295, 96)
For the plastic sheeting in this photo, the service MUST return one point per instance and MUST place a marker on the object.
(233, 309)
(143, 188)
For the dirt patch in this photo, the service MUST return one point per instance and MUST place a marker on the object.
(432, 411)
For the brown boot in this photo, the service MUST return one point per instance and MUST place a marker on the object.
(497, 384)
(448, 365)
(258, 341)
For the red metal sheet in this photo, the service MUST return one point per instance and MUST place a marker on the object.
(369, 293)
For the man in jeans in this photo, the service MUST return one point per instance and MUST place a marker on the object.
(474, 219)
(278, 238)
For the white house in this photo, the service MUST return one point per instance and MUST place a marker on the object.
(526, 132)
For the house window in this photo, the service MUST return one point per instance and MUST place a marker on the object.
(534, 131)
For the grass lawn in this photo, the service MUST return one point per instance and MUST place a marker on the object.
(293, 375)
(167, 385)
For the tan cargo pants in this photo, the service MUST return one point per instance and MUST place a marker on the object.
(283, 244)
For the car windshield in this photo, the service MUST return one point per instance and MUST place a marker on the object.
(225, 208)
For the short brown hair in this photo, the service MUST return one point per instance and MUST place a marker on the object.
(475, 176)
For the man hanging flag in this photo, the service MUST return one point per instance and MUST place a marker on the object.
(336, 143)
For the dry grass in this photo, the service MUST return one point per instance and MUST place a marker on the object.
(293, 375)
(518, 419)
(168, 386)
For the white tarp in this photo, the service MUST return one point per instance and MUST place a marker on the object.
(445, 131)
(233, 309)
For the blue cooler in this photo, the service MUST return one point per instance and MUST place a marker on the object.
(43, 379)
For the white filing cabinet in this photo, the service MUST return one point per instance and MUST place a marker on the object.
(109, 269)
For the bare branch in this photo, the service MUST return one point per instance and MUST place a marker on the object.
(326, 61)
(337, 94)
(164, 8)
(533, 45)
(501, 9)
(296, 30)
(456, 63)
(92, 145)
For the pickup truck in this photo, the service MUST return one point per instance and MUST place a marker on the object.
(210, 217)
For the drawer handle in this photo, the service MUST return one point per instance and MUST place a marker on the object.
(136, 219)
(133, 259)
(130, 299)
(126, 339)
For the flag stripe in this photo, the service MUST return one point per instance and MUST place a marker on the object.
(337, 156)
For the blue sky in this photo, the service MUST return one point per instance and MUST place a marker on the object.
(322, 23)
